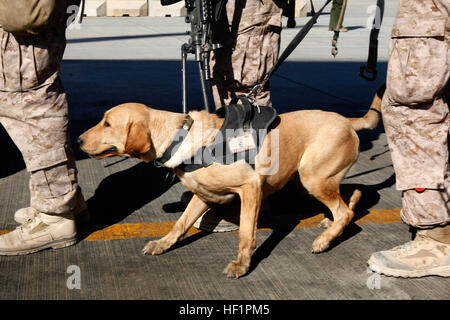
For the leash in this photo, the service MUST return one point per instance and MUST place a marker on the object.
(371, 67)
(289, 49)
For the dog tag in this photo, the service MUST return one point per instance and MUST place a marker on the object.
(241, 143)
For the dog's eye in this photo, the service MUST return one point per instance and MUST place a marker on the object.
(106, 124)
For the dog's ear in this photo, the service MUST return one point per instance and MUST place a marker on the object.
(138, 139)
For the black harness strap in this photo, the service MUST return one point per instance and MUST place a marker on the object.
(371, 67)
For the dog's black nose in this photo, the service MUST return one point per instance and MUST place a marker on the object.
(80, 141)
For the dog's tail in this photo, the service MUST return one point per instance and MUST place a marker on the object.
(371, 118)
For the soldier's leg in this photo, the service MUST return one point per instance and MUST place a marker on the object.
(263, 51)
(417, 122)
(236, 71)
(37, 123)
(421, 164)
(250, 35)
(41, 135)
(418, 140)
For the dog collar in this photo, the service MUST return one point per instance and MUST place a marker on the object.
(176, 143)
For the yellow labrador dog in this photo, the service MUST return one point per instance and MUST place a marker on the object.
(314, 146)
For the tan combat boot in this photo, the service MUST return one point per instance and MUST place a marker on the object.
(427, 255)
(40, 232)
(80, 212)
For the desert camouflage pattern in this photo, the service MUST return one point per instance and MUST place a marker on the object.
(416, 110)
(34, 111)
(250, 35)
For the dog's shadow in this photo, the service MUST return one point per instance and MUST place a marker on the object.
(288, 207)
(138, 185)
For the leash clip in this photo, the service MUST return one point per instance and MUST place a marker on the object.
(255, 90)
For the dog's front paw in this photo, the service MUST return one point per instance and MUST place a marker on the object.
(320, 245)
(155, 247)
(235, 270)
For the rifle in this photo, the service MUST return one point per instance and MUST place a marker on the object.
(201, 14)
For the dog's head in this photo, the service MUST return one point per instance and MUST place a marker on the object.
(123, 131)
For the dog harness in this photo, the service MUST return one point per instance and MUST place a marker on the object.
(241, 136)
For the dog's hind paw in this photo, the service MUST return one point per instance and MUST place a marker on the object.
(155, 247)
(235, 270)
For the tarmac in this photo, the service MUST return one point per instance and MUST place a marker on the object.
(109, 61)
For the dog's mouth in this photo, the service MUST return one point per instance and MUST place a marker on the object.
(106, 153)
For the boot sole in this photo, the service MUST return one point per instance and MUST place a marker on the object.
(439, 271)
(213, 227)
(57, 244)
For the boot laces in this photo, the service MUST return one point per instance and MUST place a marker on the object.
(29, 224)
(411, 245)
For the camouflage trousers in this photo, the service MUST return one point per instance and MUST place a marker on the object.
(37, 121)
(250, 48)
(416, 117)
(34, 112)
